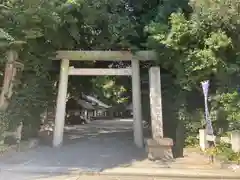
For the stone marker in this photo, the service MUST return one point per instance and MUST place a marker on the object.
(158, 147)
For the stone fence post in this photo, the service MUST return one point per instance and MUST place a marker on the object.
(203, 139)
(235, 141)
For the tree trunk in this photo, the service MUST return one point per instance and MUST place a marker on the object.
(180, 139)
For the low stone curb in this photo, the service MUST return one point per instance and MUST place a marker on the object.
(156, 172)
(46, 170)
(168, 172)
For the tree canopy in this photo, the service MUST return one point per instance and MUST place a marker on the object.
(201, 45)
(195, 41)
(36, 29)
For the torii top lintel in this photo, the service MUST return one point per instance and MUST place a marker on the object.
(106, 55)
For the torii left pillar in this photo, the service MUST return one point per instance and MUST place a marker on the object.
(61, 104)
(137, 105)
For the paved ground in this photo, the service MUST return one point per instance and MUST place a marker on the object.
(98, 146)
(22, 176)
(84, 177)
(60, 177)
(103, 146)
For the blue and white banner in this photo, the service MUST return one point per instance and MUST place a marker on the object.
(205, 87)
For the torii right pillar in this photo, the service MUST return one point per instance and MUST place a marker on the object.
(159, 147)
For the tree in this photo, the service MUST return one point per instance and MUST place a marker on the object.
(44, 27)
(36, 29)
(202, 45)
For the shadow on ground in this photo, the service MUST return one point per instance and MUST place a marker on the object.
(93, 147)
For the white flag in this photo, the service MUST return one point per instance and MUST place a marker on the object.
(205, 87)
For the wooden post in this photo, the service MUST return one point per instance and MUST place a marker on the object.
(9, 75)
(19, 135)
(137, 106)
(61, 104)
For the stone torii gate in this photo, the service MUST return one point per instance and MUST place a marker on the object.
(134, 71)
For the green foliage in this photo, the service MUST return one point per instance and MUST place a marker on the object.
(36, 29)
(191, 52)
(5, 38)
(224, 152)
(202, 44)
(3, 124)
(107, 89)
(32, 22)
(229, 103)
(194, 43)
(191, 141)
(3, 148)
(196, 47)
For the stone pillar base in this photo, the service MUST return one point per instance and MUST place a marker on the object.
(160, 149)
